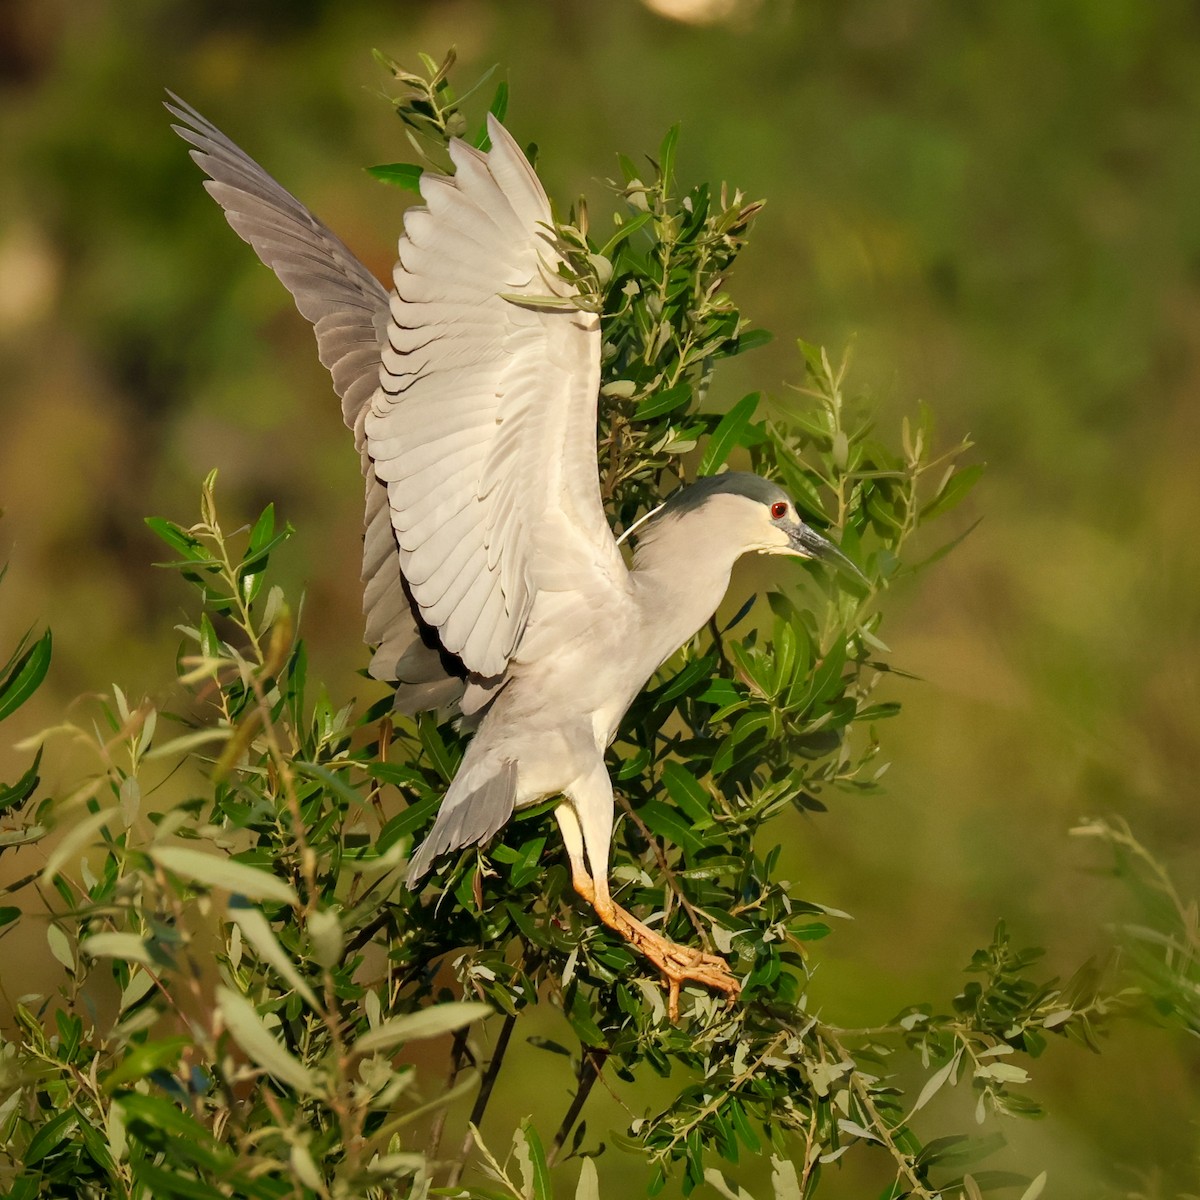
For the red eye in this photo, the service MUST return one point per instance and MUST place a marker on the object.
(779, 510)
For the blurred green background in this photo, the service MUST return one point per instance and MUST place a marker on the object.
(1000, 204)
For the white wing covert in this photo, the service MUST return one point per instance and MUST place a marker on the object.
(484, 428)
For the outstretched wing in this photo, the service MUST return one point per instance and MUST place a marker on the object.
(484, 428)
(349, 310)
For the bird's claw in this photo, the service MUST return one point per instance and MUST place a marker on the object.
(678, 964)
(684, 964)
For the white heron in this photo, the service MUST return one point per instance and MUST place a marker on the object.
(492, 578)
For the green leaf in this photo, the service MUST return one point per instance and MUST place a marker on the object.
(168, 1185)
(164, 1116)
(257, 931)
(953, 490)
(179, 539)
(215, 871)
(435, 747)
(15, 796)
(499, 105)
(49, 1137)
(142, 1059)
(538, 1181)
(528, 862)
(666, 154)
(730, 430)
(26, 676)
(743, 1128)
(696, 670)
(751, 339)
(687, 792)
(434, 1021)
(402, 175)
(668, 824)
(748, 726)
(246, 1028)
(8, 914)
(624, 231)
(411, 819)
(658, 403)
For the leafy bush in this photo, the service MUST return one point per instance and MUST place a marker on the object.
(243, 973)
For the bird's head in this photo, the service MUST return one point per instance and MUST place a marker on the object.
(750, 514)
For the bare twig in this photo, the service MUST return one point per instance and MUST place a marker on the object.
(589, 1071)
(458, 1057)
(485, 1094)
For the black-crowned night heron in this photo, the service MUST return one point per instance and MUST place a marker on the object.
(493, 580)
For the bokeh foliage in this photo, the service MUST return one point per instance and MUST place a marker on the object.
(244, 969)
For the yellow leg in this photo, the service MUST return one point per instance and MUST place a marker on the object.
(678, 964)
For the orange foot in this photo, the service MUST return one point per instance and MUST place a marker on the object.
(678, 964)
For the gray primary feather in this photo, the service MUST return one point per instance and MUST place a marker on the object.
(349, 310)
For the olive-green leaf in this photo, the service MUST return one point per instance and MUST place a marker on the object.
(246, 1028)
(404, 175)
(215, 871)
(257, 931)
(728, 433)
(126, 946)
(26, 676)
(429, 1022)
(589, 1182)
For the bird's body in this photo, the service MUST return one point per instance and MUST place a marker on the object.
(493, 582)
(571, 683)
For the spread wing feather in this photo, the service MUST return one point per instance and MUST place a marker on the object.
(473, 412)
(349, 310)
(484, 428)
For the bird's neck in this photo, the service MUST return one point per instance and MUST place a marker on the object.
(675, 598)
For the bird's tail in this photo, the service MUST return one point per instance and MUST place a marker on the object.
(470, 813)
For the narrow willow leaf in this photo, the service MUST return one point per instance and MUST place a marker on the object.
(937, 1081)
(784, 1180)
(727, 434)
(403, 175)
(215, 871)
(246, 1028)
(26, 676)
(19, 792)
(954, 488)
(588, 1187)
(429, 1022)
(126, 946)
(257, 931)
(74, 841)
(540, 1171)
(187, 742)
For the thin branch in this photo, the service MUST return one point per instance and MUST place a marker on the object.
(589, 1072)
(485, 1094)
(670, 876)
(458, 1058)
(862, 1093)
